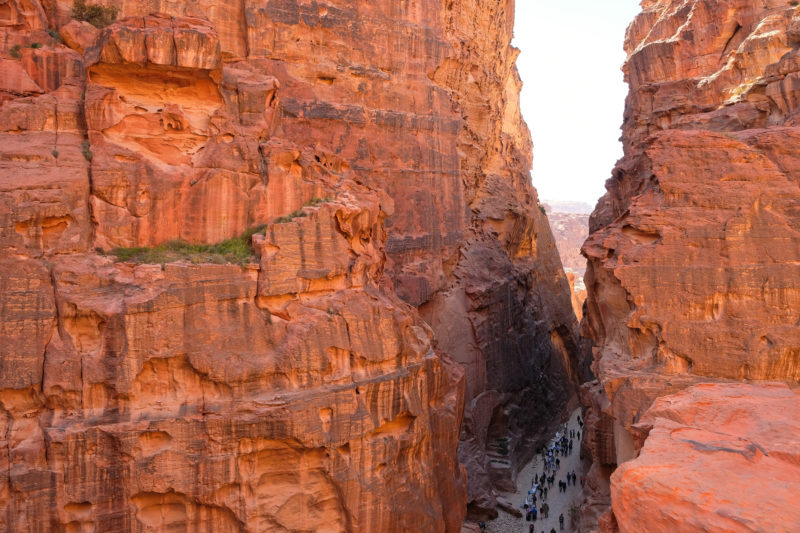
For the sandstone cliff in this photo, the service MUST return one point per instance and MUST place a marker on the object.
(694, 252)
(570, 231)
(378, 149)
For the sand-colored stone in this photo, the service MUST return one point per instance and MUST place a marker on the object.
(570, 230)
(716, 458)
(578, 294)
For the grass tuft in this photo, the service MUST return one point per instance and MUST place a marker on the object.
(291, 216)
(238, 250)
(97, 16)
(300, 213)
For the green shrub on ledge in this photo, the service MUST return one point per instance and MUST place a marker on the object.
(291, 216)
(300, 213)
(238, 250)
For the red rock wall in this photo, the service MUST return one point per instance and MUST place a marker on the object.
(301, 392)
(694, 253)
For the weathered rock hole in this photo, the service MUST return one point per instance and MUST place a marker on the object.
(79, 510)
(153, 442)
(325, 416)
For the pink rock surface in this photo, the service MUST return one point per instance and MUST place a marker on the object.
(716, 458)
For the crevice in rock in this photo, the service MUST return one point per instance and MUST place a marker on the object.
(736, 31)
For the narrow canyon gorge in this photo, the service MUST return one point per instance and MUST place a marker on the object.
(278, 265)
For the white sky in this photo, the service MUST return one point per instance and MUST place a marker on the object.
(573, 95)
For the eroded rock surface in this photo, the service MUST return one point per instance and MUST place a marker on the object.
(703, 446)
(694, 256)
(380, 146)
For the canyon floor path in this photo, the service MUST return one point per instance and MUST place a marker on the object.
(559, 502)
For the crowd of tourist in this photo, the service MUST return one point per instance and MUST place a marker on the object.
(536, 501)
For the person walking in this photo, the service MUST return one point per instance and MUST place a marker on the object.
(561, 521)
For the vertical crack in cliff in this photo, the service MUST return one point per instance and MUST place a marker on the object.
(55, 142)
(9, 421)
(86, 149)
(56, 331)
(245, 28)
(729, 41)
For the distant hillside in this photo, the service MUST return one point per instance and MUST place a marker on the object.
(561, 206)
(570, 231)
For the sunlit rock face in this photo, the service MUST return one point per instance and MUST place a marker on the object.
(381, 145)
(694, 252)
(704, 446)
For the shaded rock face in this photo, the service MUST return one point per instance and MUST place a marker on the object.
(703, 445)
(381, 145)
(694, 251)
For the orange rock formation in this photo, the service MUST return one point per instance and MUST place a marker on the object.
(716, 458)
(694, 255)
(381, 144)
